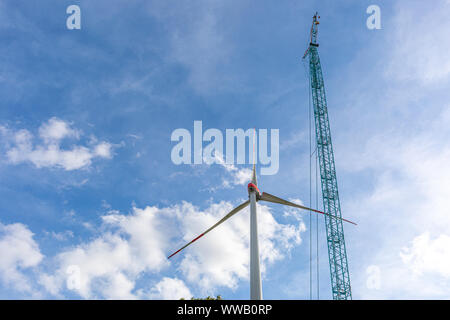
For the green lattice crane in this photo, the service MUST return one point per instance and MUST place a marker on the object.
(340, 279)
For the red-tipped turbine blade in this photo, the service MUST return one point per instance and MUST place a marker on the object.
(186, 245)
(271, 198)
(229, 215)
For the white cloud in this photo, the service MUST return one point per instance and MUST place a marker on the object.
(60, 236)
(100, 262)
(118, 286)
(18, 252)
(421, 43)
(426, 255)
(103, 150)
(55, 130)
(238, 176)
(20, 148)
(110, 264)
(137, 243)
(170, 289)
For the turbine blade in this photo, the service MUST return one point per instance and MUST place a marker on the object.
(271, 198)
(228, 216)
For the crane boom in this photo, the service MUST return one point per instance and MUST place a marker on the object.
(340, 279)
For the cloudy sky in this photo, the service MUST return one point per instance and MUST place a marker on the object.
(91, 203)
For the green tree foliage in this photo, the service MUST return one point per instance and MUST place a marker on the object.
(219, 297)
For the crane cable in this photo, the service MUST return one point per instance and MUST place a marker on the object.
(311, 154)
(310, 182)
(317, 222)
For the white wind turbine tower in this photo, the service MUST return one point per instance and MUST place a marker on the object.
(254, 196)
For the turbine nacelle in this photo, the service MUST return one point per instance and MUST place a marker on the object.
(252, 187)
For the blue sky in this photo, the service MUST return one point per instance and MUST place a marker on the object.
(86, 118)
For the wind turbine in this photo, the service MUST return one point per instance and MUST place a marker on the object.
(254, 196)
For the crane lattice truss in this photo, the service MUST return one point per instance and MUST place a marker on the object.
(340, 279)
